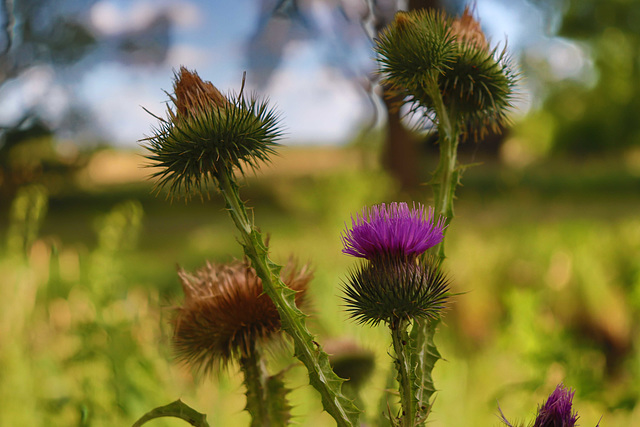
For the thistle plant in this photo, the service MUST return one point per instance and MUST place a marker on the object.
(444, 69)
(206, 139)
(397, 285)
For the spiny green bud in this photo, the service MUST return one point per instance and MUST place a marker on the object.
(207, 134)
(414, 49)
(478, 84)
(424, 54)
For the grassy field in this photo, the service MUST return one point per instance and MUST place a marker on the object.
(546, 261)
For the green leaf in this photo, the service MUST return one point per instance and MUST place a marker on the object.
(424, 358)
(177, 409)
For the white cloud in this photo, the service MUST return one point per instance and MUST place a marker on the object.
(317, 106)
(37, 89)
(188, 55)
(109, 18)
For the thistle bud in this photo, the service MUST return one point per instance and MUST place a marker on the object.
(423, 53)
(207, 134)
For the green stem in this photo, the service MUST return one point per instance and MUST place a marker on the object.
(321, 376)
(444, 182)
(255, 380)
(446, 176)
(400, 340)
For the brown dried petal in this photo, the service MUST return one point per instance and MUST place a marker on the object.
(192, 95)
(469, 31)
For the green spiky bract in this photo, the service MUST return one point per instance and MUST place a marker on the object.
(395, 289)
(478, 88)
(415, 49)
(422, 60)
(177, 409)
(193, 149)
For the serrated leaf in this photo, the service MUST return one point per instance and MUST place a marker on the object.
(177, 409)
(424, 359)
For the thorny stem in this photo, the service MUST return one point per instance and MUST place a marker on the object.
(446, 176)
(444, 182)
(400, 340)
(321, 376)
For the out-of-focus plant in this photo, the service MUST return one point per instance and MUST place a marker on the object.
(556, 411)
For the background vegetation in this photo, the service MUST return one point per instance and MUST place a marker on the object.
(546, 259)
(545, 247)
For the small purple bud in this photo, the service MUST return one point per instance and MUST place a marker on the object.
(556, 411)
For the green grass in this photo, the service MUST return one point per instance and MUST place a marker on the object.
(546, 259)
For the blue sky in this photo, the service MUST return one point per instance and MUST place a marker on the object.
(317, 102)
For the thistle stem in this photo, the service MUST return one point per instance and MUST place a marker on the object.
(444, 182)
(255, 380)
(446, 176)
(400, 339)
(321, 376)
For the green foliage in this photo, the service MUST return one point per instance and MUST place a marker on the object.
(594, 107)
(547, 260)
(27, 213)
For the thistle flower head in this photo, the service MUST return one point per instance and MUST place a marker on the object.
(206, 134)
(396, 290)
(225, 312)
(415, 47)
(392, 230)
(556, 411)
(423, 53)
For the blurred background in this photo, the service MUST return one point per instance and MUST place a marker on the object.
(544, 250)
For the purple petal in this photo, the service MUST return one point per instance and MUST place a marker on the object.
(394, 230)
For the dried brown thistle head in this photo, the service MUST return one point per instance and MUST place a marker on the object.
(225, 312)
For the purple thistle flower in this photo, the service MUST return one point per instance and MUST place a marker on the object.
(556, 411)
(393, 230)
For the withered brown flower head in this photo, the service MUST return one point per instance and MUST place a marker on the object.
(225, 312)
(193, 96)
(468, 30)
